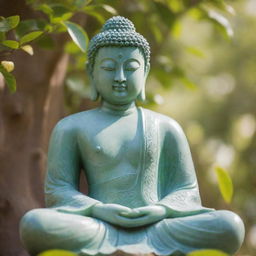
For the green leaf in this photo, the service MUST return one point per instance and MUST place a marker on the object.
(221, 21)
(9, 23)
(156, 32)
(59, 10)
(13, 21)
(4, 27)
(57, 253)
(88, 2)
(176, 30)
(189, 84)
(81, 3)
(60, 28)
(225, 184)
(91, 10)
(30, 37)
(176, 5)
(165, 14)
(197, 13)
(207, 253)
(195, 51)
(45, 8)
(77, 34)
(2, 36)
(60, 13)
(80, 61)
(9, 79)
(64, 17)
(27, 26)
(71, 48)
(11, 44)
(56, 12)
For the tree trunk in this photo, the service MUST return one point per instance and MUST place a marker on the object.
(26, 120)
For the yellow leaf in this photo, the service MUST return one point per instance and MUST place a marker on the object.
(109, 9)
(8, 65)
(225, 184)
(28, 49)
(207, 253)
(57, 253)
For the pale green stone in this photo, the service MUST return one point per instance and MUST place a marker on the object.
(143, 193)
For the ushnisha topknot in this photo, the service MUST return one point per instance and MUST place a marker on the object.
(118, 23)
(118, 31)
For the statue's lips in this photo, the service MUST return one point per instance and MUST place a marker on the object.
(119, 87)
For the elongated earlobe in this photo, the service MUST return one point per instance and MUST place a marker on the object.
(142, 95)
(94, 95)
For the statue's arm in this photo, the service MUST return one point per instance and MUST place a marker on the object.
(62, 180)
(178, 183)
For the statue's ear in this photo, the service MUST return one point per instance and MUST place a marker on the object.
(147, 71)
(94, 95)
(142, 95)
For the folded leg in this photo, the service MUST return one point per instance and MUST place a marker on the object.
(222, 230)
(44, 229)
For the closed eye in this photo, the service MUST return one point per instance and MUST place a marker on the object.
(108, 68)
(108, 65)
(132, 65)
(130, 69)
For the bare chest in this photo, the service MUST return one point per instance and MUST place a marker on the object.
(112, 150)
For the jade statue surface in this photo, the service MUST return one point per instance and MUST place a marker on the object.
(143, 194)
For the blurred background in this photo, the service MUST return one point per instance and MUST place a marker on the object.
(203, 74)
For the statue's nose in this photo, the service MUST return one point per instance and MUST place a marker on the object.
(120, 76)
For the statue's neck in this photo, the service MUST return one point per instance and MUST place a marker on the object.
(121, 110)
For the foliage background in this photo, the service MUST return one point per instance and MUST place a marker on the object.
(200, 75)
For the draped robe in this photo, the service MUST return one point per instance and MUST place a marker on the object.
(165, 176)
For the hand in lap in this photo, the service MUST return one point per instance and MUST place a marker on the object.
(126, 217)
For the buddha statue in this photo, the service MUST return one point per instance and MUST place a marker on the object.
(142, 188)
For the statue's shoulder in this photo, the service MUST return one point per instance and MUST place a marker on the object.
(163, 120)
(74, 122)
(166, 124)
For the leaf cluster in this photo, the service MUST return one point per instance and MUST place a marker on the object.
(16, 34)
(163, 19)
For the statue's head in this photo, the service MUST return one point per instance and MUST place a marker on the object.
(118, 44)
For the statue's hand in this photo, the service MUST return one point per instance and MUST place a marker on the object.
(109, 212)
(143, 216)
(129, 218)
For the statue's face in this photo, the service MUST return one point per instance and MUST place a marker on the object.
(119, 74)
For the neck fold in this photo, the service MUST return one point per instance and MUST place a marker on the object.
(121, 110)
